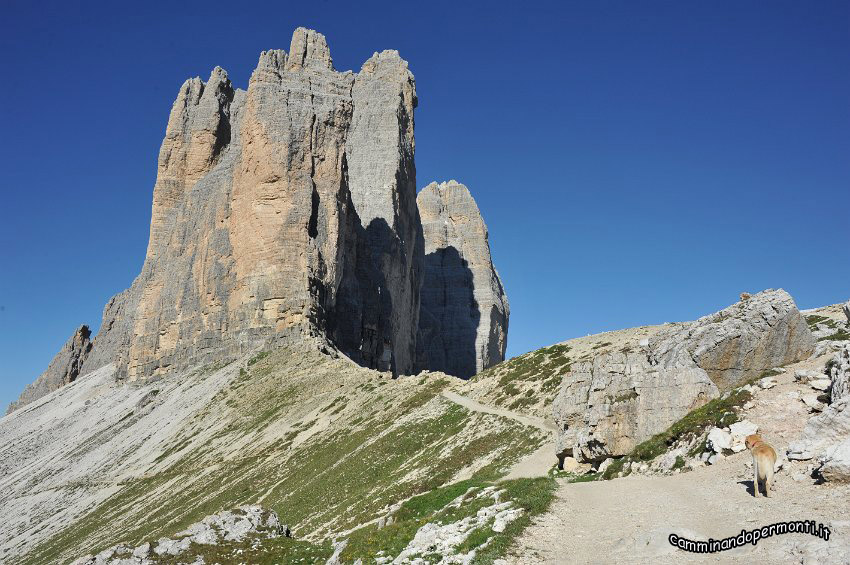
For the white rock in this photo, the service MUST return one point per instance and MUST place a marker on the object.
(839, 372)
(171, 547)
(605, 464)
(504, 518)
(802, 375)
(835, 463)
(739, 432)
(811, 400)
(104, 555)
(570, 464)
(142, 551)
(718, 440)
(767, 382)
(822, 431)
(820, 384)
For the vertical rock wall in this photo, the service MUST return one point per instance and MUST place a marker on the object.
(463, 325)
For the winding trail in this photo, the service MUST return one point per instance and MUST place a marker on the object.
(476, 406)
(536, 464)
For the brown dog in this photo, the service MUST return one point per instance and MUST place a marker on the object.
(764, 458)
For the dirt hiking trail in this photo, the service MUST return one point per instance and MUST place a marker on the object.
(629, 520)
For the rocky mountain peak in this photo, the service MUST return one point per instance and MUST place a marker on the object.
(308, 49)
(288, 212)
(463, 324)
(64, 369)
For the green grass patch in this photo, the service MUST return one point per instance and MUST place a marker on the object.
(255, 550)
(814, 320)
(258, 357)
(532, 495)
(840, 335)
(538, 371)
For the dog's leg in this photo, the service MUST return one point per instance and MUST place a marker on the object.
(755, 477)
(768, 480)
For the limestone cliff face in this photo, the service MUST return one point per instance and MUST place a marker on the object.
(65, 367)
(615, 400)
(283, 211)
(463, 324)
(287, 210)
(382, 179)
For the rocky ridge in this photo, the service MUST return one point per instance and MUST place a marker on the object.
(230, 525)
(614, 400)
(64, 369)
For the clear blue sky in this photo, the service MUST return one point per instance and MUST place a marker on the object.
(636, 162)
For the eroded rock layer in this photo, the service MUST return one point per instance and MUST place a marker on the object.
(610, 403)
(463, 323)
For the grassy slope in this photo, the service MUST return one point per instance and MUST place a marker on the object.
(527, 383)
(326, 445)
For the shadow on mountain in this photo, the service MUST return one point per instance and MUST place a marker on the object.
(449, 315)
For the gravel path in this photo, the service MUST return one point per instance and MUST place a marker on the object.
(538, 463)
(629, 520)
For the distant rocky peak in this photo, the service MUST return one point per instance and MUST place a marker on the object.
(308, 49)
(63, 369)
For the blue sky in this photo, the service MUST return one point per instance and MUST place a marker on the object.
(636, 162)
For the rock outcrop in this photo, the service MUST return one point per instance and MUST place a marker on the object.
(246, 522)
(826, 436)
(612, 402)
(65, 367)
(463, 323)
(382, 177)
(608, 405)
(739, 342)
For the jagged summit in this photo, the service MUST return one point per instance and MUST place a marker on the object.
(283, 212)
(308, 49)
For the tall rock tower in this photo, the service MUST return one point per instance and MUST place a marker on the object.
(463, 324)
(289, 211)
(284, 211)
